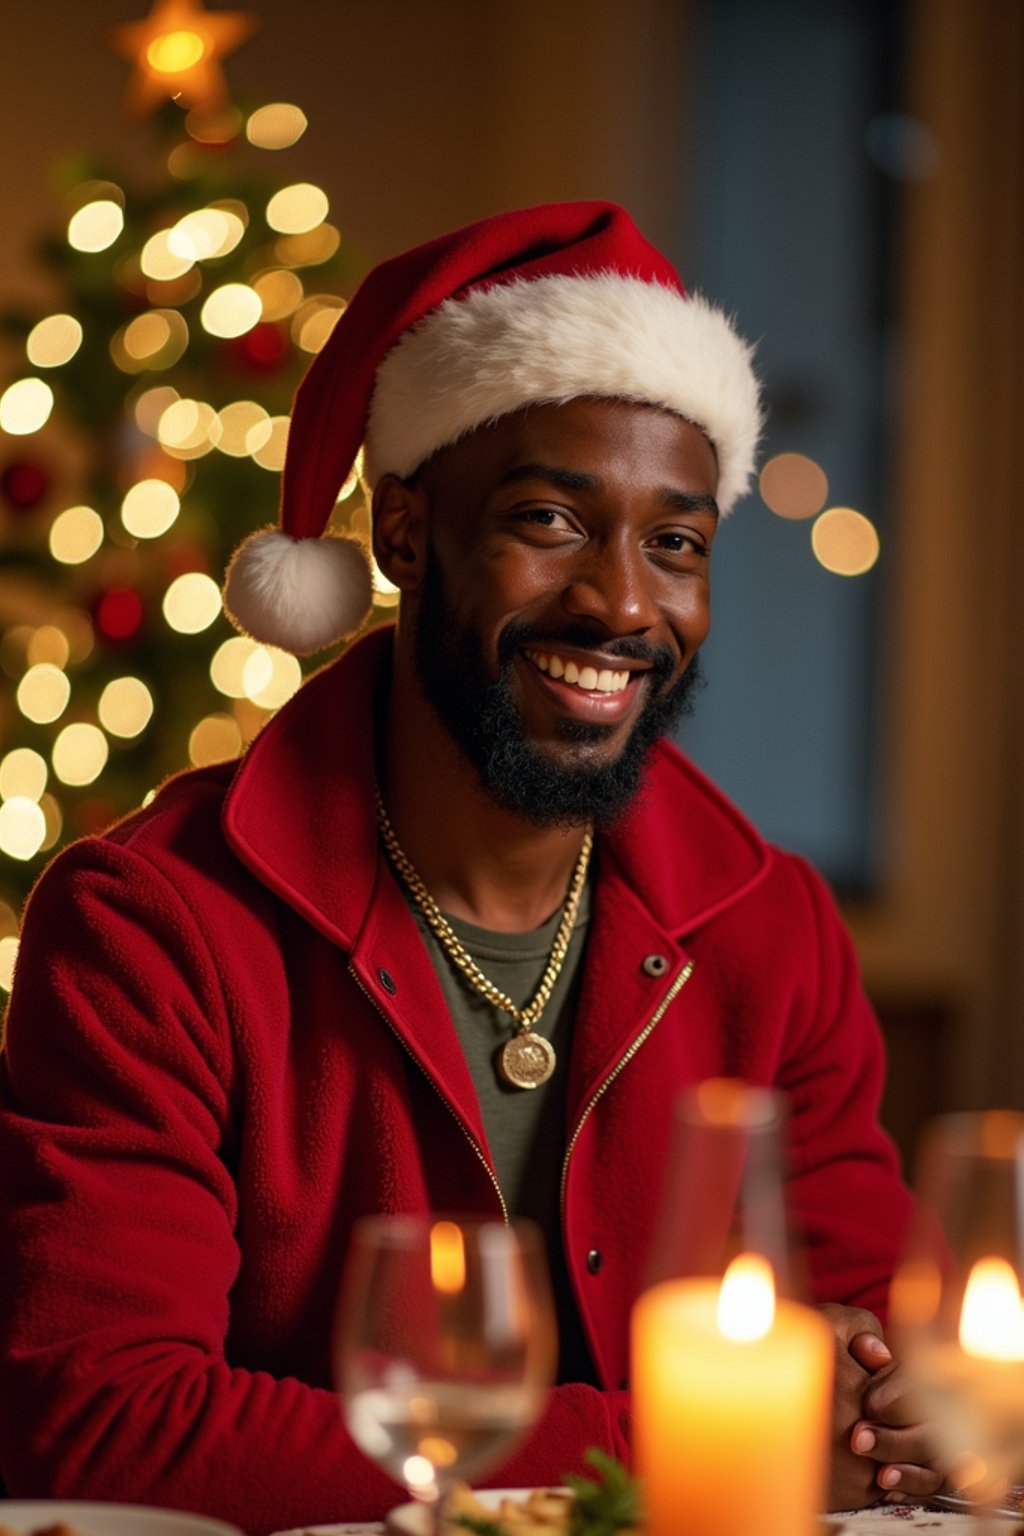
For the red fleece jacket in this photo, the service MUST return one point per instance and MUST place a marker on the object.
(206, 1081)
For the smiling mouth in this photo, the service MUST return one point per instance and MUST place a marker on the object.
(587, 678)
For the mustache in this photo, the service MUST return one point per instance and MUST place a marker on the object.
(660, 658)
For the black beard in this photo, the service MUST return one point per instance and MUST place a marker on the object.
(483, 720)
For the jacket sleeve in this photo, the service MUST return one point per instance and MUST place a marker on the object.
(846, 1196)
(119, 1104)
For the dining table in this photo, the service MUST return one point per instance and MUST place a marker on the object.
(877, 1520)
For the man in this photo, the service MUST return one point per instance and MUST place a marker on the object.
(453, 934)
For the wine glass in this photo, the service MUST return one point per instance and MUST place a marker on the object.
(956, 1308)
(444, 1347)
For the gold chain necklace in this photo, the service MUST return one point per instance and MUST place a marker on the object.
(526, 1060)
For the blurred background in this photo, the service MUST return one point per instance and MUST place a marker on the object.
(846, 176)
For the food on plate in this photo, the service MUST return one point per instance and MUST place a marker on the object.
(590, 1506)
(543, 1512)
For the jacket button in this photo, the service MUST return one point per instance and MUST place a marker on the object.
(386, 980)
(594, 1261)
(655, 965)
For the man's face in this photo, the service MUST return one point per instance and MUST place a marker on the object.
(565, 598)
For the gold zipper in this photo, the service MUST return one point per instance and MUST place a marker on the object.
(458, 1121)
(670, 996)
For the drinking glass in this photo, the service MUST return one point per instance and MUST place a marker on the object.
(444, 1346)
(956, 1310)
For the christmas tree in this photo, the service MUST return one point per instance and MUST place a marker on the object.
(142, 430)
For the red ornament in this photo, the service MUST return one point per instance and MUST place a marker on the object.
(262, 350)
(118, 615)
(24, 484)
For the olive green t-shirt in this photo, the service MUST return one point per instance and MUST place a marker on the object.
(525, 1128)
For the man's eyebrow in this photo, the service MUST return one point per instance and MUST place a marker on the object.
(579, 480)
(554, 474)
(686, 501)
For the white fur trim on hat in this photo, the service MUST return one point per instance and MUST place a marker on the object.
(554, 339)
(299, 594)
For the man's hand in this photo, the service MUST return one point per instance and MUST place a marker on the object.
(880, 1449)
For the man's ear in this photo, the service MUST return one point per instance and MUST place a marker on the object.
(400, 515)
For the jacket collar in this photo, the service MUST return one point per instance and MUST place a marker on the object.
(300, 814)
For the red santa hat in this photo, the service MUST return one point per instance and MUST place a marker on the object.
(542, 305)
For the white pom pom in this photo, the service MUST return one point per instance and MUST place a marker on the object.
(299, 594)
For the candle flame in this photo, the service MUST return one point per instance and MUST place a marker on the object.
(746, 1301)
(447, 1258)
(992, 1316)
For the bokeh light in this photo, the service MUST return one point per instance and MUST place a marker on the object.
(199, 235)
(75, 535)
(43, 693)
(231, 310)
(268, 442)
(119, 614)
(352, 479)
(297, 209)
(214, 740)
(236, 422)
(150, 508)
(96, 226)
(125, 707)
(270, 677)
(147, 334)
(23, 773)
(25, 406)
(308, 250)
(845, 542)
(192, 603)
(80, 754)
(151, 405)
(793, 485)
(54, 816)
(22, 827)
(280, 292)
(171, 53)
(48, 643)
(154, 340)
(8, 956)
(54, 341)
(159, 259)
(278, 125)
(188, 429)
(315, 320)
(227, 669)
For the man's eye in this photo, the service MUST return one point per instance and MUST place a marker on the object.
(542, 517)
(680, 544)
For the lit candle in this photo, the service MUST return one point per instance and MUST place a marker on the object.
(732, 1402)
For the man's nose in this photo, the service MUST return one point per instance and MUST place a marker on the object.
(613, 586)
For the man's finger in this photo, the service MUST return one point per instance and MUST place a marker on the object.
(870, 1350)
(906, 1480)
(916, 1445)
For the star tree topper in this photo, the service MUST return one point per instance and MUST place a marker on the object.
(178, 52)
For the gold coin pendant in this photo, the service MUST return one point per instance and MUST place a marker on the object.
(527, 1060)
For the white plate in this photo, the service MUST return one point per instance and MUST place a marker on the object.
(414, 1519)
(93, 1519)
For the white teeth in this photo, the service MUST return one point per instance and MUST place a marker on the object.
(588, 678)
